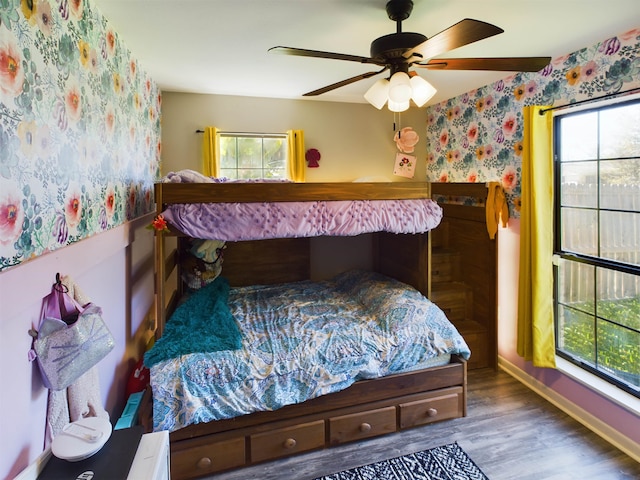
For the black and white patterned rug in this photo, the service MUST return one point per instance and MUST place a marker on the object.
(448, 462)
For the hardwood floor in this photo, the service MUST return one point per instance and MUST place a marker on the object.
(510, 432)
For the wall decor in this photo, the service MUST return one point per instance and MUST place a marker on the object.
(79, 128)
(477, 136)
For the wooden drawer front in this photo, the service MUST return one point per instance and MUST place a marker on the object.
(362, 425)
(287, 441)
(204, 459)
(431, 410)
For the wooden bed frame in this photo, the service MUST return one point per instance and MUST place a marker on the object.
(367, 408)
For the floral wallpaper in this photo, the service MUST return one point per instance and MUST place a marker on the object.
(79, 128)
(477, 137)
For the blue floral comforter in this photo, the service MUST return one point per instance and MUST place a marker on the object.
(302, 340)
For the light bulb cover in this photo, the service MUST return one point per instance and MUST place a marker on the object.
(399, 87)
(398, 106)
(377, 93)
(422, 90)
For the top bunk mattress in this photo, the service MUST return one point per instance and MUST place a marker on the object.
(238, 221)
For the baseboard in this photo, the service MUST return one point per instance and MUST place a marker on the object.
(35, 468)
(615, 438)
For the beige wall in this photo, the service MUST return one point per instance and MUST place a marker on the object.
(355, 140)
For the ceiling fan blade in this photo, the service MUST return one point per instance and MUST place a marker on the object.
(348, 81)
(462, 33)
(301, 52)
(506, 64)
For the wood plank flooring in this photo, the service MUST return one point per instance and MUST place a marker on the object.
(510, 432)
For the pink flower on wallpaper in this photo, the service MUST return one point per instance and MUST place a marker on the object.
(509, 178)
(531, 88)
(631, 35)
(77, 8)
(488, 150)
(93, 61)
(444, 177)
(406, 139)
(43, 17)
(589, 71)
(11, 71)
(110, 120)
(472, 132)
(560, 61)
(472, 177)
(431, 158)
(73, 102)
(110, 202)
(111, 42)
(444, 138)
(488, 101)
(73, 208)
(509, 124)
(11, 216)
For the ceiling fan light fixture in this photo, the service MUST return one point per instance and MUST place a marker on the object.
(398, 106)
(422, 91)
(378, 93)
(400, 88)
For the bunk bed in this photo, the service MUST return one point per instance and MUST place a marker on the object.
(368, 406)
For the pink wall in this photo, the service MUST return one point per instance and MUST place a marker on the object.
(600, 407)
(115, 270)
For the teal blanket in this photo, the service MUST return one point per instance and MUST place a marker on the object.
(203, 324)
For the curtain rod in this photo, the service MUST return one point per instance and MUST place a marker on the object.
(249, 133)
(587, 100)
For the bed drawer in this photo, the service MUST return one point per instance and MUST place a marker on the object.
(287, 441)
(201, 460)
(355, 426)
(429, 410)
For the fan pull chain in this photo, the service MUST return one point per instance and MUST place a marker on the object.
(397, 126)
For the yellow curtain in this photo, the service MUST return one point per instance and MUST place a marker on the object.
(296, 166)
(210, 155)
(536, 340)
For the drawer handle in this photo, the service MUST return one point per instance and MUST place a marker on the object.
(289, 443)
(432, 412)
(204, 463)
(365, 427)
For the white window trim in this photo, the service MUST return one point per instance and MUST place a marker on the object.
(595, 383)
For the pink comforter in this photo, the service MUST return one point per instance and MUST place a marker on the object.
(258, 221)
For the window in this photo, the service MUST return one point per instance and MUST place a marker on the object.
(597, 241)
(251, 156)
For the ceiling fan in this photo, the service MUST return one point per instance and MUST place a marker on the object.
(399, 51)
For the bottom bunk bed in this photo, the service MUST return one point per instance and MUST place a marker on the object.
(408, 395)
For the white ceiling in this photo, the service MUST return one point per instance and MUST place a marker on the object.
(220, 47)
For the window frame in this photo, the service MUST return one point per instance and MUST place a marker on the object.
(262, 137)
(596, 261)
